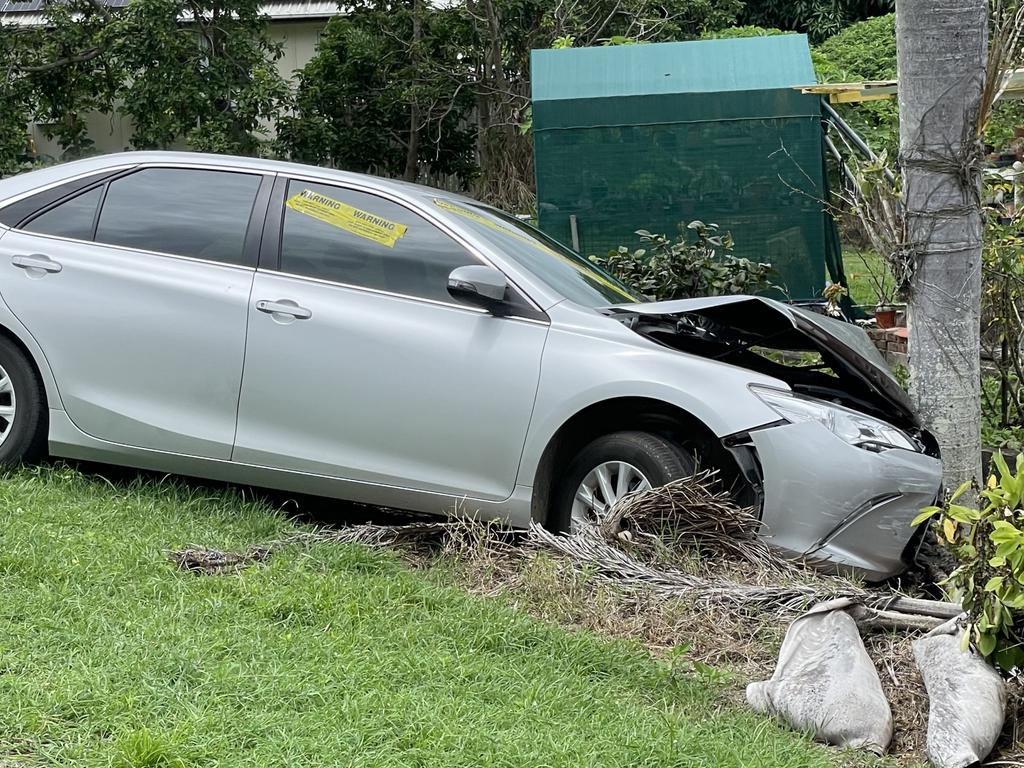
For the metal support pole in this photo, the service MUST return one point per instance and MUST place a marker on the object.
(574, 233)
(854, 138)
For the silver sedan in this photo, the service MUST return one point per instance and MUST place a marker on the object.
(343, 335)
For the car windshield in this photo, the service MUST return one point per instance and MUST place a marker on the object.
(565, 271)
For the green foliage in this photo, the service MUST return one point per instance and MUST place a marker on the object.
(65, 94)
(988, 543)
(902, 374)
(682, 269)
(209, 83)
(620, 40)
(993, 435)
(55, 73)
(818, 18)
(1000, 130)
(15, 113)
(864, 51)
(371, 89)
(747, 31)
(145, 749)
(1002, 329)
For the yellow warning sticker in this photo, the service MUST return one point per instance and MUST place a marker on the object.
(472, 216)
(336, 213)
(590, 274)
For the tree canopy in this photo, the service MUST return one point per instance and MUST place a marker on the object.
(194, 73)
(387, 93)
(405, 88)
(820, 19)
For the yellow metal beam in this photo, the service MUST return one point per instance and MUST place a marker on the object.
(851, 93)
(855, 97)
(877, 90)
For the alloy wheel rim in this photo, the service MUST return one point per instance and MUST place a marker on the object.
(603, 487)
(8, 405)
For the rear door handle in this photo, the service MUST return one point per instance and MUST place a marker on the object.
(37, 261)
(284, 307)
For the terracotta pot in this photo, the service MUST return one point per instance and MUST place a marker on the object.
(885, 318)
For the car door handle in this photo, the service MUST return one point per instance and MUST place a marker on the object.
(37, 261)
(284, 307)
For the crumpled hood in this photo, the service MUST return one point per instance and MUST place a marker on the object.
(733, 324)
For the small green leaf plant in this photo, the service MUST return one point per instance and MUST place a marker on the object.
(685, 268)
(988, 543)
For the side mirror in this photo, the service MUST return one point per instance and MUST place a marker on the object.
(478, 285)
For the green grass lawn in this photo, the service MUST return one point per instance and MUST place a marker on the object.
(330, 655)
(864, 271)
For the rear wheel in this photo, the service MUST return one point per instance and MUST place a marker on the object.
(611, 467)
(22, 408)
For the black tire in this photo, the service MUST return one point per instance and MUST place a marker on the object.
(660, 461)
(26, 440)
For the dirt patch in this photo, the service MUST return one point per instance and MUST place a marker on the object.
(213, 561)
(904, 689)
(415, 539)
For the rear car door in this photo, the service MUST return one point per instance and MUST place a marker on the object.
(137, 290)
(359, 365)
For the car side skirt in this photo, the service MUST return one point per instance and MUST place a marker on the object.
(67, 441)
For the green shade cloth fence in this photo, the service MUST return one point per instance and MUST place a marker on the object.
(654, 136)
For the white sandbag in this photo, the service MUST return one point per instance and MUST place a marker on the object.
(826, 684)
(966, 699)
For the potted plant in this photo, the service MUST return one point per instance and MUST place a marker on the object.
(887, 308)
(885, 314)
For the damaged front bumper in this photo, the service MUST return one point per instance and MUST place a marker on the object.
(843, 473)
(837, 504)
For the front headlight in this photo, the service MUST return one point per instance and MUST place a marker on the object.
(853, 427)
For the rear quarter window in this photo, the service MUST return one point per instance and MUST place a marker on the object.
(16, 213)
(74, 218)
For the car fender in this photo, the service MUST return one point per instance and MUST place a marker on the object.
(582, 370)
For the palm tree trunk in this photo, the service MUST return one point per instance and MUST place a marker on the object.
(941, 55)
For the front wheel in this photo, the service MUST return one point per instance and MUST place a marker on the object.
(612, 467)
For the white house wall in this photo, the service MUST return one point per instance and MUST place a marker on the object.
(300, 39)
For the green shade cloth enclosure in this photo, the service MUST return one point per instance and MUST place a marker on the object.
(654, 136)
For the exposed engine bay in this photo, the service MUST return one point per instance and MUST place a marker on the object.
(817, 356)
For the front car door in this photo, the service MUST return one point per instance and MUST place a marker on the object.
(137, 292)
(360, 366)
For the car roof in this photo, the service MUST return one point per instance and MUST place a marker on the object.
(402, 188)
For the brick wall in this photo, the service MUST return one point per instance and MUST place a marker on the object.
(892, 343)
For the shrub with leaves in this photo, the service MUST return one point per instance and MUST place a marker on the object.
(864, 51)
(818, 18)
(1002, 324)
(988, 543)
(681, 269)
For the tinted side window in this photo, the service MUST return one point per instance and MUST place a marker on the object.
(361, 239)
(14, 214)
(203, 214)
(73, 218)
